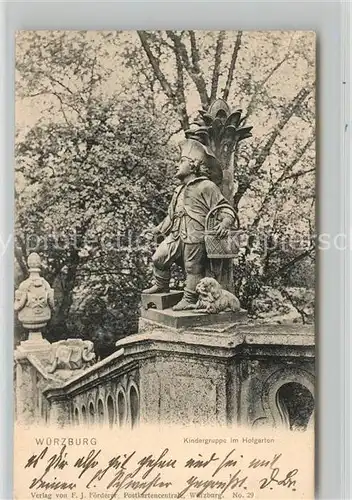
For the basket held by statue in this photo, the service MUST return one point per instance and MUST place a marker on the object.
(216, 247)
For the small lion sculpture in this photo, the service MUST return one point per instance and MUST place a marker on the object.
(72, 354)
(213, 299)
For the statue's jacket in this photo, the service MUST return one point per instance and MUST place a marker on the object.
(189, 208)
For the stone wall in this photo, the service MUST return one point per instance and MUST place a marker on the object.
(243, 375)
(259, 377)
(30, 380)
(104, 394)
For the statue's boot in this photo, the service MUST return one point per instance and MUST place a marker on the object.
(190, 295)
(161, 282)
(187, 302)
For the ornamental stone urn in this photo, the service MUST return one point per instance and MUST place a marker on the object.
(34, 300)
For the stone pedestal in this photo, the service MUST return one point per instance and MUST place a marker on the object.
(60, 413)
(34, 344)
(27, 390)
(25, 393)
(158, 309)
(190, 319)
(223, 374)
(220, 374)
(160, 300)
(36, 337)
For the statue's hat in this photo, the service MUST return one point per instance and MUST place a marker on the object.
(195, 150)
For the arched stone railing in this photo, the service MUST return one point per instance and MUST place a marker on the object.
(111, 410)
(84, 415)
(101, 412)
(91, 413)
(76, 416)
(121, 404)
(100, 394)
(274, 411)
(165, 376)
(133, 404)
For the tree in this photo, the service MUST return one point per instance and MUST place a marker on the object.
(83, 177)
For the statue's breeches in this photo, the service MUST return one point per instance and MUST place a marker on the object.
(190, 256)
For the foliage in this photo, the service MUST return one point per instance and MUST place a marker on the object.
(81, 181)
(81, 195)
(285, 305)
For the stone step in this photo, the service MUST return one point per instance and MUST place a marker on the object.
(160, 300)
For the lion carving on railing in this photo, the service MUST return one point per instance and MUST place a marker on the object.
(72, 354)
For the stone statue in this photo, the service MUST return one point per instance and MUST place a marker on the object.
(34, 299)
(212, 299)
(185, 227)
(71, 354)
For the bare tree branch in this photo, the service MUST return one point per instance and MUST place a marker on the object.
(217, 62)
(174, 132)
(59, 97)
(300, 310)
(298, 174)
(36, 94)
(51, 78)
(284, 177)
(194, 51)
(286, 267)
(155, 65)
(180, 90)
(21, 255)
(62, 108)
(254, 97)
(250, 106)
(290, 110)
(91, 80)
(229, 80)
(176, 97)
(193, 71)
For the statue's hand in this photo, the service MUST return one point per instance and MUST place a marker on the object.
(222, 229)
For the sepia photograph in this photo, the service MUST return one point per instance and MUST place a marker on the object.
(165, 235)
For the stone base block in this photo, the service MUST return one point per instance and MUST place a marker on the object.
(190, 319)
(35, 343)
(160, 300)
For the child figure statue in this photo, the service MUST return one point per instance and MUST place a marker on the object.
(184, 225)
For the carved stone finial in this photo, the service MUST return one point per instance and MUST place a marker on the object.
(34, 262)
(220, 129)
(34, 299)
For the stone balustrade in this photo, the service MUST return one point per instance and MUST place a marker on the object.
(105, 394)
(242, 374)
